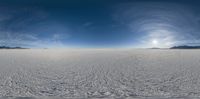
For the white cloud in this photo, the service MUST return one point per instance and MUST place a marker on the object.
(170, 23)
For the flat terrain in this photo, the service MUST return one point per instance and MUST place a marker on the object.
(100, 73)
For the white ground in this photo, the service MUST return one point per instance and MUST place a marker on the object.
(100, 73)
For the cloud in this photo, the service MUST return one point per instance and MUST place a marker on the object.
(29, 27)
(87, 24)
(171, 23)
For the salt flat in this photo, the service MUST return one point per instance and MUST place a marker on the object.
(100, 73)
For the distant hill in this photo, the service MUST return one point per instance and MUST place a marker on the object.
(155, 48)
(185, 47)
(7, 47)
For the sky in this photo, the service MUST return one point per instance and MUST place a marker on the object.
(99, 23)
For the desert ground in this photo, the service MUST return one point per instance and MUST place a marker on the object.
(99, 73)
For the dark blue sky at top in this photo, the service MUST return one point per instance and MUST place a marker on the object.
(98, 23)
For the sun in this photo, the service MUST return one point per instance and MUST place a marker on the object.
(155, 42)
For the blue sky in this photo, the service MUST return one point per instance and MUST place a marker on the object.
(99, 23)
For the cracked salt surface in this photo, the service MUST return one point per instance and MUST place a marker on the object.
(100, 73)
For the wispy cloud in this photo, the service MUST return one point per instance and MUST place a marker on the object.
(28, 27)
(170, 23)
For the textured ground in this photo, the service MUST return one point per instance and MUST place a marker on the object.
(102, 73)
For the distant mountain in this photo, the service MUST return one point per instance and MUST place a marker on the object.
(7, 47)
(185, 47)
(155, 48)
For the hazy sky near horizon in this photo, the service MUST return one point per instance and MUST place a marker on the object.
(99, 23)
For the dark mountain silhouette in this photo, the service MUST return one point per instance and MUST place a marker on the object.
(185, 47)
(7, 47)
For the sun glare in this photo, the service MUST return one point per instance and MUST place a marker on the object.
(154, 42)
